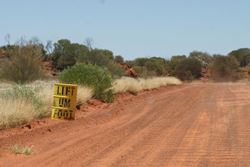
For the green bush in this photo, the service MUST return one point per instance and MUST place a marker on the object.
(204, 58)
(116, 70)
(148, 67)
(188, 69)
(65, 53)
(224, 68)
(89, 75)
(242, 56)
(141, 71)
(119, 59)
(156, 67)
(98, 57)
(108, 96)
(175, 60)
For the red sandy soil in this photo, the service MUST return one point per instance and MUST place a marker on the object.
(194, 125)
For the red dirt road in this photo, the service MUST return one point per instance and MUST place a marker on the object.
(193, 125)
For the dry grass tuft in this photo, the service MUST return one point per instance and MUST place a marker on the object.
(84, 94)
(16, 112)
(126, 84)
(21, 104)
(21, 150)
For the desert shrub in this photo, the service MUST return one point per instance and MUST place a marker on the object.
(242, 56)
(20, 104)
(23, 64)
(224, 68)
(116, 70)
(204, 58)
(188, 69)
(25, 93)
(108, 96)
(83, 94)
(119, 59)
(88, 75)
(127, 84)
(141, 71)
(103, 58)
(155, 67)
(140, 61)
(174, 61)
(105, 53)
(66, 54)
(98, 57)
(15, 112)
(1, 52)
(148, 67)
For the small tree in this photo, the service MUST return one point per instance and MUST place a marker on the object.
(140, 61)
(175, 60)
(204, 58)
(188, 69)
(23, 63)
(116, 70)
(66, 53)
(142, 71)
(153, 66)
(119, 59)
(224, 68)
(156, 67)
(98, 57)
(242, 56)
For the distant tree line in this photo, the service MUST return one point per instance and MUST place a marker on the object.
(21, 62)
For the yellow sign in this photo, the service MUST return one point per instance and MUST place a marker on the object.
(64, 101)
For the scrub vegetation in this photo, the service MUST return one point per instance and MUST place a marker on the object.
(27, 81)
(126, 84)
(22, 103)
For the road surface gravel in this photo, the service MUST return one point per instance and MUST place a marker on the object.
(194, 125)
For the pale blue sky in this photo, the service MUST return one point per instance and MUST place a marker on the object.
(132, 28)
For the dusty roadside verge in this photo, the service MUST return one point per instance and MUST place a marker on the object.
(93, 108)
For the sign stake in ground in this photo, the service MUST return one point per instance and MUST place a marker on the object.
(64, 101)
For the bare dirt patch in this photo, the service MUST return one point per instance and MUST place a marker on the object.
(189, 125)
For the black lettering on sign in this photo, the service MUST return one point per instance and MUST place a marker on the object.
(66, 114)
(60, 90)
(63, 114)
(64, 102)
(59, 114)
(70, 114)
(67, 91)
(55, 113)
(72, 92)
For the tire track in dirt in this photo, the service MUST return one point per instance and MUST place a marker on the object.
(151, 131)
(131, 126)
(193, 125)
